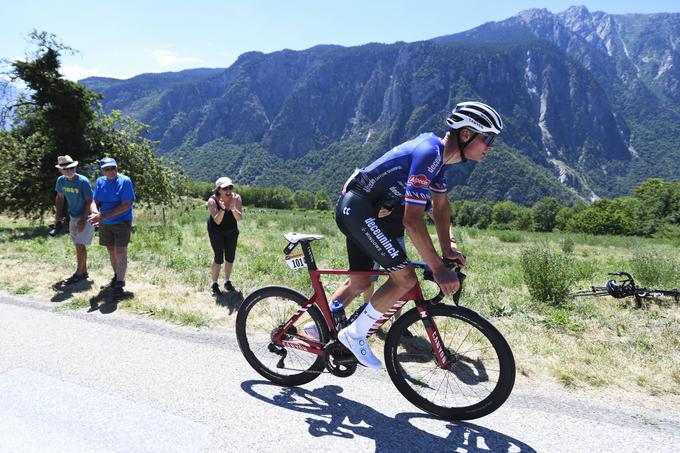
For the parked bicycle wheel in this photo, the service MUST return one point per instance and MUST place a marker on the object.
(259, 316)
(481, 373)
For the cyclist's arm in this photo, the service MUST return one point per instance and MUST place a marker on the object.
(441, 214)
(414, 223)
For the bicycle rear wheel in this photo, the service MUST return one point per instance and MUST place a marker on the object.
(481, 373)
(261, 314)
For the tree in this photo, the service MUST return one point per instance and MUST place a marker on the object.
(60, 117)
(304, 199)
(321, 201)
(544, 213)
(504, 214)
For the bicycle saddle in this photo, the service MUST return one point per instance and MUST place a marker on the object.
(294, 238)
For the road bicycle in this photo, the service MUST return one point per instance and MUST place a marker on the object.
(627, 287)
(445, 359)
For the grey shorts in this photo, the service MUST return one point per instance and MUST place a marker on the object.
(80, 238)
(116, 234)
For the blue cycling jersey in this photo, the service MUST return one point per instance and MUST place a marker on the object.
(407, 172)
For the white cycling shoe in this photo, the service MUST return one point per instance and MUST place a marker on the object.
(311, 331)
(360, 349)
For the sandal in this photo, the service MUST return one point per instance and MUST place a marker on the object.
(75, 278)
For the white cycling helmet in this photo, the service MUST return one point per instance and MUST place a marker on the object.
(476, 116)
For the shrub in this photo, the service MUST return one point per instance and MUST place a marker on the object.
(547, 275)
(509, 236)
(567, 245)
(654, 270)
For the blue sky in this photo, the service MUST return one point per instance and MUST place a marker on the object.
(124, 38)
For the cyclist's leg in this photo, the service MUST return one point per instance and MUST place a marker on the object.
(358, 219)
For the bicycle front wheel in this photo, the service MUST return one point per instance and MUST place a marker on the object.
(261, 314)
(481, 371)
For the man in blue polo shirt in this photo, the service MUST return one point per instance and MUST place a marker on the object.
(77, 191)
(114, 194)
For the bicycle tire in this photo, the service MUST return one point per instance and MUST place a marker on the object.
(410, 362)
(258, 316)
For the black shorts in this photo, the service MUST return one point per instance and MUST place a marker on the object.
(223, 244)
(369, 238)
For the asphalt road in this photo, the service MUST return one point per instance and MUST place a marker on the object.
(89, 382)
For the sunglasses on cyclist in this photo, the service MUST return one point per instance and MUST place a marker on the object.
(489, 138)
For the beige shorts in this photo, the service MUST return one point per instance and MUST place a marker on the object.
(80, 238)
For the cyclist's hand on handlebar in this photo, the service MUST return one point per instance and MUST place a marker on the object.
(447, 280)
(457, 257)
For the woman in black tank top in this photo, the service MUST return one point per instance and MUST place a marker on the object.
(225, 208)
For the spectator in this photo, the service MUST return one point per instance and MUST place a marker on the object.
(77, 192)
(113, 195)
(225, 211)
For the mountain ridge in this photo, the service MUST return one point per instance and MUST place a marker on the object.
(576, 89)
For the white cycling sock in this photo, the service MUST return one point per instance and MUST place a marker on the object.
(360, 327)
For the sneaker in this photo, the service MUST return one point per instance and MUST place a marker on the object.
(216, 289)
(360, 349)
(228, 286)
(311, 331)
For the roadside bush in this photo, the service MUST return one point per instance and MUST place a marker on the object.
(654, 270)
(547, 275)
(567, 245)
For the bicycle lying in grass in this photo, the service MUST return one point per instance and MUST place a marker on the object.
(627, 288)
(445, 359)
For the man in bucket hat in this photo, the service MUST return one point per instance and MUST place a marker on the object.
(77, 192)
(114, 194)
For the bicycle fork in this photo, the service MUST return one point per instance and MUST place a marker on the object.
(441, 354)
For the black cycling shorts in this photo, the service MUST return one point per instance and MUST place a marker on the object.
(369, 238)
(223, 244)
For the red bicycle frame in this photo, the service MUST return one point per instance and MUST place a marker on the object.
(307, 344)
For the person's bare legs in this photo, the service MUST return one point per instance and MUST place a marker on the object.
(81, 259)
(112, 257)
(215, 271)
(227, 270)
(351, 288)
(121, 261)
(397, 285)
(354, 335)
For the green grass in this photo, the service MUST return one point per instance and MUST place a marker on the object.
(583, 342)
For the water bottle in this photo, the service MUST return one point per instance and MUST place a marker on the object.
(338, 312)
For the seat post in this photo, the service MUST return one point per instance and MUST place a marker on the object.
(309, 256)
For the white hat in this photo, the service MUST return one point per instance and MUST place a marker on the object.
(66, 162)
(223, 182)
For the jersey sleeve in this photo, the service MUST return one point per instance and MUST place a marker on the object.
(425, 164)
(86, 188)
(127, 192)
(95, 194)
(438, 184)
(59, 186)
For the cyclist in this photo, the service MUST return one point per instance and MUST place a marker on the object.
(411, 173)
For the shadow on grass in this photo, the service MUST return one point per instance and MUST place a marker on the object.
(8, 234)
(331, 414)
(66, 292)
(107, 301)
(230, 300)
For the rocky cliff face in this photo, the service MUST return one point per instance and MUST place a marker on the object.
(589, 99)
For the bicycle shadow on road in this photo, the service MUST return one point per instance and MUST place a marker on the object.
(335, 415)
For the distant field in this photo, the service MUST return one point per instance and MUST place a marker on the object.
(589, 342)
